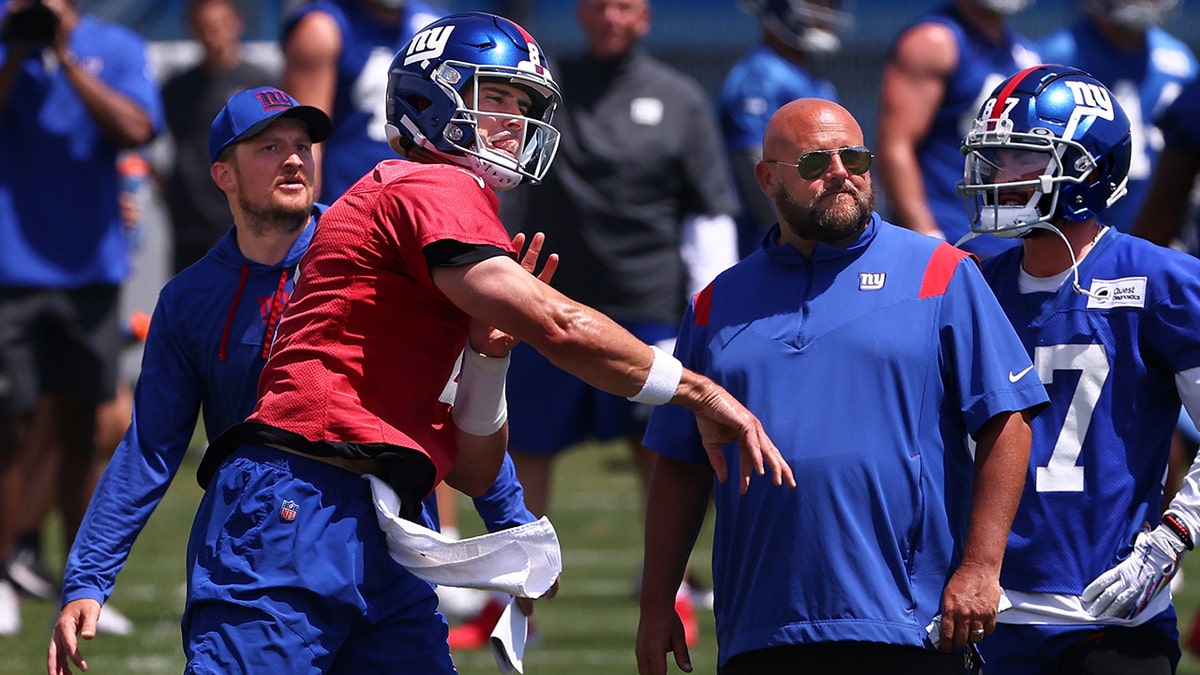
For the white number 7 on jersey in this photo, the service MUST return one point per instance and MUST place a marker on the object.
(1091, 361)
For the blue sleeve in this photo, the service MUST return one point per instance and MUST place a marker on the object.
(987, 368)
(503, 505)
(166, 405)
(1178, 121)
(133, 76)
(430, 516)
(1173, 324)
(744, 113)
(672, 429)
(751, 94)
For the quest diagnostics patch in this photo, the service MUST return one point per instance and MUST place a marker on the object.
(1109, 293)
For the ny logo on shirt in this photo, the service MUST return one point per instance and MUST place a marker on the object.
(871, 281)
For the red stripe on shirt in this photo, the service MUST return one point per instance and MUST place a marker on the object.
(703, 303)
(940, 269)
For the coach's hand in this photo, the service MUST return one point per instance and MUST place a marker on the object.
(78, 618)
(660, 631)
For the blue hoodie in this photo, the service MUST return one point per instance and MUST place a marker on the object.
(208, 341)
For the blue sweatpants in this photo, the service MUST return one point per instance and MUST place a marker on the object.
(288, 572)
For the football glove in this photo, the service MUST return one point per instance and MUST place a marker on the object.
(1125, 590)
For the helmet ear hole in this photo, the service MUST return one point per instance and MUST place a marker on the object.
(420, 103)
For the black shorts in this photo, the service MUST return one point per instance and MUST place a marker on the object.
(63, 340)
(847, 658)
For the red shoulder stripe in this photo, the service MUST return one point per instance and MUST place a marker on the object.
(703, 302)
(940, 269)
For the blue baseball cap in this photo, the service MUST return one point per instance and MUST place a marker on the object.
(249, 112)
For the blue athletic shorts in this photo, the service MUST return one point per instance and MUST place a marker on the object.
(1038, 649)
(288, 573)
(550, 410)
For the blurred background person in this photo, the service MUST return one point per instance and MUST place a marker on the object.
(1122, 44)
(191, 99)
(336, 56)
(776, 70)
(939, 70)
(1168, 215)
(74, 92)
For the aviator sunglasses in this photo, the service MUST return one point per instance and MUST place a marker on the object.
(812, 165)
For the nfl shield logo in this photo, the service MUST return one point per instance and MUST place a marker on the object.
(287, 512)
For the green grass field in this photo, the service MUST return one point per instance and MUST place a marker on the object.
(587, 630)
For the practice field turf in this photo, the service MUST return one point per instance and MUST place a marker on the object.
(587, 630)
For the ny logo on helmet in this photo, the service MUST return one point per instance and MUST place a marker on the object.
(428, 44)
(1091, 100)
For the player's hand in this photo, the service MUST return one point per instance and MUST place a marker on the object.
(526, 604)
(495, 343)
(78, 618)
(659, 632)
(969, 605)
(1125, 590)
(529, 259)
(721, 419)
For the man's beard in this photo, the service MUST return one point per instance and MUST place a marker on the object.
(274, 216)
(829, 225)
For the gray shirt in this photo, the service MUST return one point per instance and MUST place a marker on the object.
(640, 149)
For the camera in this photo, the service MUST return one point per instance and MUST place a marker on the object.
(36, 23)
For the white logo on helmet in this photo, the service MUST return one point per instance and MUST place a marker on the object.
(1009, 104)
(1091, 100)
(427, 45)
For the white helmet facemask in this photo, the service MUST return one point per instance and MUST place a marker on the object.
(538, 140)
(1030, 164)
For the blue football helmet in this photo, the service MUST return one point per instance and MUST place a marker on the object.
(1050, 142)
(433, 96)
(810, 26)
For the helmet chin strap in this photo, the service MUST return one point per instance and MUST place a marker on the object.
(1074, 258)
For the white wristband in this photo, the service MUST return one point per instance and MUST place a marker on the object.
(665, 373)
(480, 408)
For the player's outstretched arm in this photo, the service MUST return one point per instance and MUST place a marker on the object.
(591, 346)
(480, 411)
(77, 620)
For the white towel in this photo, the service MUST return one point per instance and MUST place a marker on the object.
(523, 561)
(508, 639)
